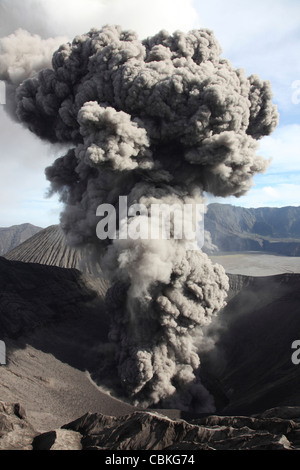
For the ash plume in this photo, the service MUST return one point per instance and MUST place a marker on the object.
(22, 56)
(160, 120)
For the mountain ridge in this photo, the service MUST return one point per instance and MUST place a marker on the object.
(231, 228)
(269, 229)
(10, 237)
(147, 430)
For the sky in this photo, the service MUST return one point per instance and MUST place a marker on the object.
(260, 36)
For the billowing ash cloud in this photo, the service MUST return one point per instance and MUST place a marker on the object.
(159, 120)
(23, 55)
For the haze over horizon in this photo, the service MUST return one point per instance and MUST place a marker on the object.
(261, 37)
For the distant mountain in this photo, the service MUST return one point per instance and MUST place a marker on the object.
(49, 247)
(10, 237)
(231, 229)
(270, 229)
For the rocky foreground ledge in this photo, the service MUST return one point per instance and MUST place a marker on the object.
(275, 429)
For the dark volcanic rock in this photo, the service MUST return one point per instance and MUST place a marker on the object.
(272, 425)
(252, 358)
(33, 295)
(16, 433)
(44, 441)
(249, 370)
(49, 247)
(152, 431)
(55, 328)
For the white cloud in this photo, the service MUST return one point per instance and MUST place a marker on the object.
(267, 196)
(26, 14)
(146, 17)
(28, 206)
(251, 24)
(22, 182)
(73, 17)
(271, 193)
(279, 196)
(283, 146)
